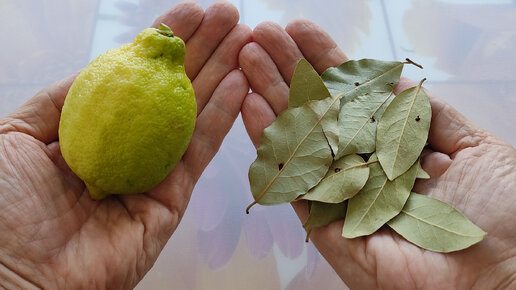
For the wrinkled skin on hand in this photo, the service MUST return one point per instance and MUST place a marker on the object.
(470, 169)
(52, 234)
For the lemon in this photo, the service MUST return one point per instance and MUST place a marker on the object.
(129, 115)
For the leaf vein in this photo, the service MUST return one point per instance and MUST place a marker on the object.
(370, 205)
(398, 143)
(436, 225)
(336, 98)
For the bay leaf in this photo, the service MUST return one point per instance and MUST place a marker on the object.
(344, 179)
(434, 225)
(329, 110)
(359, 77)
(306, 85)
(322, 214)
(361, 116)
(421, 173)
(379, 201)
(292, 158)
(403, 130)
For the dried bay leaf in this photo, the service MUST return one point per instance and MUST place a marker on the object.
(379, 201)
(306, 85)
(315, 150)
(292, 158)
(328, 109)
(359, 77)
(421, 173)
(344, 179)
(434, 225)
(403, 130)
(322, 214)
(361, 116)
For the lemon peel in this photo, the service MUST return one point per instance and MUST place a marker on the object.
(129, 115)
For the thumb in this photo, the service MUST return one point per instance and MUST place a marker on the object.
(39, 117)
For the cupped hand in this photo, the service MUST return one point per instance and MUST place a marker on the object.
(52, 234)
(469, 168)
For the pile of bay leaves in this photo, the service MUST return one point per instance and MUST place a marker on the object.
(352, 148)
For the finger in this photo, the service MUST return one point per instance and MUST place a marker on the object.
(450, 131)
(264, 76)
(280, 46)
(39, 117)
(435, 163)
(215, 121)
(257, 115)
(315, 44)
(223, 60)
(219, 20)
(183, 19)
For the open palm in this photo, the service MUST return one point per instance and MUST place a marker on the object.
(53, 235)
(470, 169)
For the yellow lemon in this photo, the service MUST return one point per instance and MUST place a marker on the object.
(129, 116)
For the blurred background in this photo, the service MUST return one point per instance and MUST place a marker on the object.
(467, 49)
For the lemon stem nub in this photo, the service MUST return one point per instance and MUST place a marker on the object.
(96, 193)
(165, 30)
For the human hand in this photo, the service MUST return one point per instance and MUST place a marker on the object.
(471, 169)
(53, 235)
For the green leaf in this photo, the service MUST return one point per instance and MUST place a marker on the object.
(402, 131)
(434, 225)
(361, 117)
(306, 85)
(421, 173)
(322, 214)
(379, 201)
(292, 158)
(359, 77)
(344, 179)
